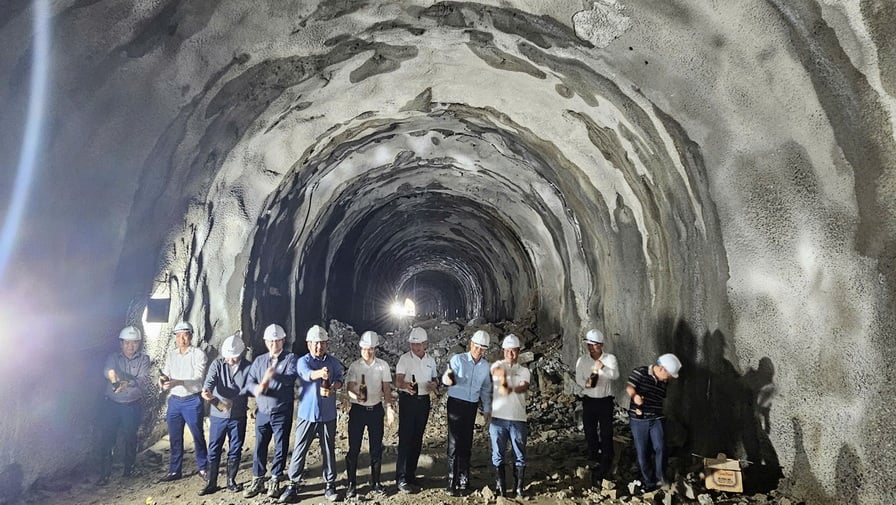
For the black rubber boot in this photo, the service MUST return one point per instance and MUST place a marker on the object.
(375, 471)
(451, 488)
(212, 485)
(351, 470)
(519, 480)
(500, 481)
(233, 466)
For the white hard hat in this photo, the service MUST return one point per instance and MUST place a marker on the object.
(594, 337)
(317, 334)
(274, 332)
(232, 347)
(129, 333)
(481, 338)
(417, 335)
(511, 342)
(671, 363)
(183, 326)
(369, 339)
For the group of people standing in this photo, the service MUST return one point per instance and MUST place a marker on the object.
(496, 389)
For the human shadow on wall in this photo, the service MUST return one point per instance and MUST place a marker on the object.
(713, 409)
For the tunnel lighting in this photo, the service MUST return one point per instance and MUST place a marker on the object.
(406, 309)
(153, 330)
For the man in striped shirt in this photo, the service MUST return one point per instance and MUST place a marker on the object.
(647, 390)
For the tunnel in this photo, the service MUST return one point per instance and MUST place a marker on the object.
(705, 178)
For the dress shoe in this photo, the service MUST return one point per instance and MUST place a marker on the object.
(171, 477)
(290, 494)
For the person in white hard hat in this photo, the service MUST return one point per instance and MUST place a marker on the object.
(596, 372)
(185, 369)
(320, 376)
(225, 389)
(272, 380)
(510, 382)
(369, 385)
(470, 383)
(647, 390)
(128, 374)
(415, 376)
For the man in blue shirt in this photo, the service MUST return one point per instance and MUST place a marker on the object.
(470, 382)
(320, 376)
(225, 389)
(272, 380)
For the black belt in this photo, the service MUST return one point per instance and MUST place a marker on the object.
(185, 397)
(368, 407)
(644, 416)
(414, 397)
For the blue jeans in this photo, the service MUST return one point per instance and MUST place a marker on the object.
(232, 429)
(503, 431)
(278, 425)
(648, 437)
(189, 411)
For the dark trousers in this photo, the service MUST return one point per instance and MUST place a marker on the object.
(186, 411)
(597, 418)
(360, 417)
(277, 425)
(649, 437)
(127, 416)
(306, 432)
(232, 429)
(413, 413)
(461, 419)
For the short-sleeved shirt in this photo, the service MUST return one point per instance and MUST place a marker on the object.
(511, 407)
(423, 369)
(228, 382)
(135, 370)
(472, 382)
(375, 374)
(188, 367)
(312, 406)
(651, 389)
(605, 376)
(280, 394)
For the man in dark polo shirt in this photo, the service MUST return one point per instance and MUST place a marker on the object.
(647, 390)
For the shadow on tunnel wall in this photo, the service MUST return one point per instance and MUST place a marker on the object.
(714, 409)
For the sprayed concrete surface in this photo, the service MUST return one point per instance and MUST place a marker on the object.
(714, 179)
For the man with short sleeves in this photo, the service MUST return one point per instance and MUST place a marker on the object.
(127, 372)
(647, 390)
(272, 380)
(415, 378)
(369, 384)
(595, 374)
(184, 370)
(469, 383)
(225, 389)
(320, 376)
(510, 382)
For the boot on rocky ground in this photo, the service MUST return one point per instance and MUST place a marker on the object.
(211, 484)
(500, 481)
(519, 481)
(233, 466)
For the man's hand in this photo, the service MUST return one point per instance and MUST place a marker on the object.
(390, 414)
(323, 373)
(638, 399)
(487, 419)
(269, 374)
(122, 385)
(207, 395)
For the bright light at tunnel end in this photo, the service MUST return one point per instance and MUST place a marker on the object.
(406, 309)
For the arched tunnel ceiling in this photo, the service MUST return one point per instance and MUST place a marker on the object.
(640, 166)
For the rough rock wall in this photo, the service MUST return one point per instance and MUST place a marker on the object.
(715, 179)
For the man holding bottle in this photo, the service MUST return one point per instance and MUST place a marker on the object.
(320, 376)
(369, 383)
(225, 389)
(595, 373)
(510, 382)
(415, 377)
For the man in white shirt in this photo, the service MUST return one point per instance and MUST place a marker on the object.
(510, 382)
(595, 373)
(415, 377)
(369, 387)
(182, 376)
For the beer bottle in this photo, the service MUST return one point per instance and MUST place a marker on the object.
(362, 389)
(325, 387)
(163, 377)
(217, 403)
(592, 379)
(451, 374)
(414, 383)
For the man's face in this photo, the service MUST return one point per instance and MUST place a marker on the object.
(595, 350)
(512, 354)
(476, 351)
(275, 346)
(232, 361)
(317, 349)
(129, 347)
(661, 373)
(182, 339)
(418, 348)
(368, 353)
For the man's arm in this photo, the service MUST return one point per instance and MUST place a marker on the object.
(610, 370)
